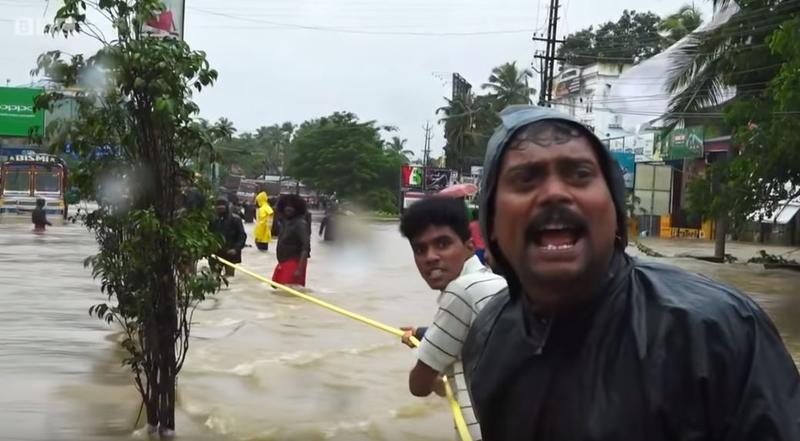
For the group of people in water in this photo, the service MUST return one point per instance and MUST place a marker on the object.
(563, 336)
(289, 222)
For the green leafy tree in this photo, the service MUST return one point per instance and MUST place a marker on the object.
(508, 85)
(749, 54)
(680, 24)
(343, 155)
(632, 38)
(263, 151)
(272, 143)
(135, 106)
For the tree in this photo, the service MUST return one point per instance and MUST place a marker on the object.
(468, 124)
(680, 24)
(749, 55)
(225, 128)
(399, 145)
(141, 118)
(340, 154)
(258, 153)
(632, 38)
(509, 85)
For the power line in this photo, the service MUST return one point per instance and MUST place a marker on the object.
(362, 31)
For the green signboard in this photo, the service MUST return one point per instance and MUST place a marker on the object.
(685, 143)
(17, 117)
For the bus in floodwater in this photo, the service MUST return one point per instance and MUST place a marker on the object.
(27, 177)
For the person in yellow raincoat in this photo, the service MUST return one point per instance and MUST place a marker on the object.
(264, 216)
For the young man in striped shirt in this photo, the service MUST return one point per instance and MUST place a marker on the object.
(438, 232)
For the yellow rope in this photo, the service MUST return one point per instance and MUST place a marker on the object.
(461, 424)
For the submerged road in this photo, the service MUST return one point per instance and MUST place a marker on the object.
(262, 365)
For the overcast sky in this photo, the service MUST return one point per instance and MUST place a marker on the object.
(291, 60)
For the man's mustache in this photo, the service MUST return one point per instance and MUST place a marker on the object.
(554, 214)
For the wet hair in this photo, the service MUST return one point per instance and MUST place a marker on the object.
(546, 133)
(438, 212)
(294, 201)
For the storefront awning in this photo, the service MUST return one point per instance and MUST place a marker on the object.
(782, 216)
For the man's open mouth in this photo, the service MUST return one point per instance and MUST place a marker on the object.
(436, 273)
(554, 237)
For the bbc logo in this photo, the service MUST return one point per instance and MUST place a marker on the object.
(30, 27)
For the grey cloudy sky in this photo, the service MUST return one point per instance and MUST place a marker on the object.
(291, 60)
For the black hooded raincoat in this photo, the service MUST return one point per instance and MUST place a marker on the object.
(655, 353)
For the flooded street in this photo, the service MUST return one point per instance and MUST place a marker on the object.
(262, 365)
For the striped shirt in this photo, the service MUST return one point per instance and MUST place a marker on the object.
(459, 304)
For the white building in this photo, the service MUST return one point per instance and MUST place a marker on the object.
(582, 91)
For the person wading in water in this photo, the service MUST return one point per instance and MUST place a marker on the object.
(264, 219)
(230, 227)
(293, 242)
(39, 217)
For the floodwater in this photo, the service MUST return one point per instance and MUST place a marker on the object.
(262, 365)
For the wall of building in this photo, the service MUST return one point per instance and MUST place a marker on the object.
(580, 92)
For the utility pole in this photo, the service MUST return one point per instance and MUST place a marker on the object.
(426, 153)
(548, 59)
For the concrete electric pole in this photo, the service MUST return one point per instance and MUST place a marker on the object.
(548, 58)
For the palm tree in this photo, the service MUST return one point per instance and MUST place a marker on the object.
(399, 145)
(468, 122)
(680, 24)
(731, 54)
(509, 85)
(225, 128)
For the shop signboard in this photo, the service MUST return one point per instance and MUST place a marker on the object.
(17, 115)
(641, 145)
(169, 23)
(627, 163)
(432, 179)
(685, 143)
(412, 176)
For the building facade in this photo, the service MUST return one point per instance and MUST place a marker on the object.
(582, 92)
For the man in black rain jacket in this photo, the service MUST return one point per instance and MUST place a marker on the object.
(230, 228)
(590, 344)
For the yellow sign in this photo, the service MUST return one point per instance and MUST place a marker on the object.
(687, 233)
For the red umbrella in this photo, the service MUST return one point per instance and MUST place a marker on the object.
(459, 190)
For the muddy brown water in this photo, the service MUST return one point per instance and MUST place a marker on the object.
(262, 365)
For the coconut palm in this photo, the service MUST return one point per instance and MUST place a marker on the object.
(399, 145)
(730, 54)
(468, 121)
(680, 24)
(225, 128)
(509, 85)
